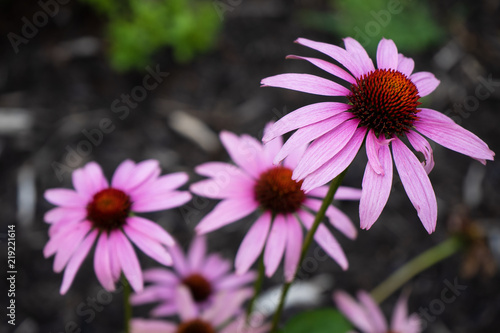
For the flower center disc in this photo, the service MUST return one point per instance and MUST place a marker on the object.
(195, 326)
(386, 101)
(199, 286)
(109, 209)
(278, 192)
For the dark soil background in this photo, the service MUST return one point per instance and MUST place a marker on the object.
(60, 84)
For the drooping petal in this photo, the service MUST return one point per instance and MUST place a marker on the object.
(69, 245)
(253, 243)
(336, 217)
(152, 326)
(224, 186)
(433, 115)
(226, 305)
(306, 83)
(387, 54)
(150, 228)
(304, 116)
(417, 185)
(215, 267)
(102, 265)
(405, 65)
(426, 82)
(327, 67)
(245, 151)
(186, 305)
(65, 197)
(127, 259)
(235, 281)
(376, 189)
(372, 148)
(373, 311)
(68, 213)
(149, 246)
(152, 203)
(275, 245)
(164, 310)
(422, 145)
(293, 247)
(179, 261)
(271, 147)
(160, 276)
(353, 311)
(359, 55)
(197, 252)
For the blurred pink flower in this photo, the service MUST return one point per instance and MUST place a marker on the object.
(95, 210)
(367, 316)
(227, 306)
(204, 276)
(255, 184)
(382, 109)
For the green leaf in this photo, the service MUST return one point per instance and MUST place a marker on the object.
(318, 321)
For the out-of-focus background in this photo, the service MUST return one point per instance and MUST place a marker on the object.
(68, 65)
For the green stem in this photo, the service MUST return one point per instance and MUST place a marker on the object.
(257, 286)
(307, 242)
(420, 263)
(127, 307)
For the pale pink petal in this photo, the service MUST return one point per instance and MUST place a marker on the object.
(102, 264)
(114, 262)
(245, 151)
(151, 229)
(426, 82)
(336, 218)
(308, 133)
(127, 259)
(69, 245)
(456, 138)
(164, 201)
(95, 177)
(76, 261)
(63, 224)
(179, 260)
(227, 211)
(216, 169)
(335, 52)
(185, 303)
(253, 243)
(233, 282)
(336, 165)
(67, 213)
(422, 145)
(343, 193)
(293, 247)
(153, 294)
(160, 276)
(433, 115)
(405, 65)
(306, 83)
(372, 148)
(224, 186)
(417, 185)
(152, 326)
(358, 53)
(327, 67)
(161, 185)
(387, 55)
(165, 310)
(294, 157)
(122, 174)
(373, 311)
(353, 311)
(376, 189)
(65, 197)
(271, 147)
(400, 313)
(275, 245)
(58, 237)
(215, 267)
(129, 179)
(197, 252)
(325, 148)
(149, 246)
(304, 116)
(228, 306)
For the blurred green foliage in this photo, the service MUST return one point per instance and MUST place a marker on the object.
(318, 321)
(408, 22)
(137, 28)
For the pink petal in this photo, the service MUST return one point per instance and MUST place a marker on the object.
(67, 213)
(186, 305)
(358, 53)
(114, 262)
(76, 261)
(246, 152)
(275, 245)
(164, 310)
(122, 174)
(151, 229)
(152, 326)
(69, 245)
(224, 186)
(197, 252)
(373, 311)
(294, 157)
(161, 276)
(387, 55)
(161, 185)
(65, 197)
(376, 189)
(433, 115)
(227, 211)
(179, 260)
(372, 151)
(309, 133)
(353, 311)
(89, 180)
(234, 282)
(328, 67)
(58, 237)
(306, 83)
(420, 144)
(456, 138)
(228, 306)
(417, 185)
(164, 201)
(343, 193)
(405, 65)
(215, 267)
(64, 224)
(271, 147)
(149, 246)
(253, 243)
(127, 259)
(129, 176)
(102, 264)
(325, 148)
(336, 218)
(336, 165)
(400, 314)
(305, 116)
(293, 247)
(335, 52)
(426, 82)
(215, 169)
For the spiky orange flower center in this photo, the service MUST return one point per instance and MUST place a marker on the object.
(195, 326)
(108, 209)
(276, 191)
(199, 286)
(386, 101)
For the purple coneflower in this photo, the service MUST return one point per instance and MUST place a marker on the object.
(256, 184)
(204, 276)
(95, 210)
(382, 109)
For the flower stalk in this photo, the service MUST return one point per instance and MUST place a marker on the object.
(127, 307)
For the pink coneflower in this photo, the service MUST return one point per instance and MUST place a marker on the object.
(382, 109)
(255, 184)
(226, 307)
(367, 316)
(204, 276)
(96, 210)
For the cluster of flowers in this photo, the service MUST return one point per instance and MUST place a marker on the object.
(284, 182)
